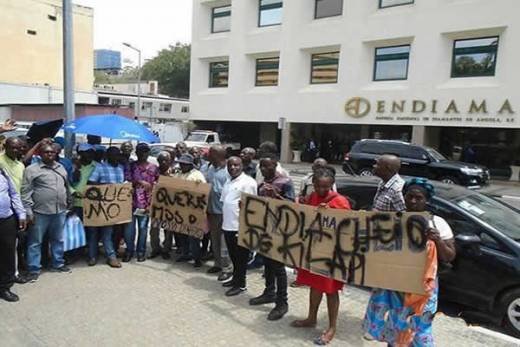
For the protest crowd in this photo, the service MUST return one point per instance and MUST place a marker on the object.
(42, 200)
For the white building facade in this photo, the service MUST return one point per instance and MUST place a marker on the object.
(436, 72)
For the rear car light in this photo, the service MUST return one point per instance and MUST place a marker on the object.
(347, 156)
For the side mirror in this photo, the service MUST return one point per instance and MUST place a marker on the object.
(467, 240)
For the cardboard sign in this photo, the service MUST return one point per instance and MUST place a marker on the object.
(107, 204)
(180, 205)
(374, 249)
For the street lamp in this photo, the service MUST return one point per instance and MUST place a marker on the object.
(138, 109)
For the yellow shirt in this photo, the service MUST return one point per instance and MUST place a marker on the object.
(193, 175)
(14, 169)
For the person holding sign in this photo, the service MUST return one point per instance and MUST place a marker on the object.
(143, 176)
(165, 169)
(405, 319)
(189, 244)
(323, 196)
(232, 191)
(107, 172)
(276, 186)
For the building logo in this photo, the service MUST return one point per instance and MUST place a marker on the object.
(357, 107)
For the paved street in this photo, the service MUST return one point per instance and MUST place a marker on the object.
(161, 303)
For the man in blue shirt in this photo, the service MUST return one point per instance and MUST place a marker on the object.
(107, 172)
(11, 209)
(217, 176)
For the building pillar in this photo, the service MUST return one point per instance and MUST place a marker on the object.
(418, 134)
(285, 147)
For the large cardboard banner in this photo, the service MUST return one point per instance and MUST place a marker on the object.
(374, 249)
(107, 204)
(180, 205)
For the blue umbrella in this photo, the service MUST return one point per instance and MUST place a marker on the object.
(112, 126)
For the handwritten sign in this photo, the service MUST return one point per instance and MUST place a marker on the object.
(107, 204)
(180, 205)
(374, 249)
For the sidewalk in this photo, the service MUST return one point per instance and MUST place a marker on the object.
(163, 303)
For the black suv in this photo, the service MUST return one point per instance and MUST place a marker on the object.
(418, 161)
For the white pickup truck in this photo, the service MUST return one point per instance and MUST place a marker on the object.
(205, 139)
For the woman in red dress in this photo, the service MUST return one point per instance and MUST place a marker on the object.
(323, 196)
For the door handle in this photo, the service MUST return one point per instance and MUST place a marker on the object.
(404, 163)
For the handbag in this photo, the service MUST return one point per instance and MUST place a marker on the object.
(73, 233)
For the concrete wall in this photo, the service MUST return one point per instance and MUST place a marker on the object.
(429, 26)
(37, 59)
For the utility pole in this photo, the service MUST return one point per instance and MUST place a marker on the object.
(138, 109)
(68, 74)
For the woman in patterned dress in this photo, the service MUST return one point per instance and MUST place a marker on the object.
(404, 319)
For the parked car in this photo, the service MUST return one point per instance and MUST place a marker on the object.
(419, 161)
(485, 276)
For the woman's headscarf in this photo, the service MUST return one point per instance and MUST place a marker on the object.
(421, 183)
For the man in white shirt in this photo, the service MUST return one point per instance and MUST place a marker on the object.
(232, 191)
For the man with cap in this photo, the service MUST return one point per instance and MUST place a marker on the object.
(189, 244)
(143, 175)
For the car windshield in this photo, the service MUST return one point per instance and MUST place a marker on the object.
(435, 155)
(197, 137)
(492, 212)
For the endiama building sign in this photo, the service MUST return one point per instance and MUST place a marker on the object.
(454, 112)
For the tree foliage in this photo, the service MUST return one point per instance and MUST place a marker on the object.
(171, 68)
(127, 75)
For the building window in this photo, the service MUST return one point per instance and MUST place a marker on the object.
(131, 105)
(31, 32)
(51, 17)
(392, 3)
(146, 105)
(391, 63)
(474, 57)
(218, 74)
(116, 102)
(221, 19)
(270, 12)
(328, 8)
(185, 109)
(165, 108)
(324, 67)
(267, 71)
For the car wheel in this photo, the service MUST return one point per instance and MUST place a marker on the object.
(449, 180)
(510, 305)
(366, 172)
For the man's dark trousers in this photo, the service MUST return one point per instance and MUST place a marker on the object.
(275, 278)
(239, 257)
(8, 231)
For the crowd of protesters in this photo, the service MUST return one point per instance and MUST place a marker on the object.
(39, 189)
